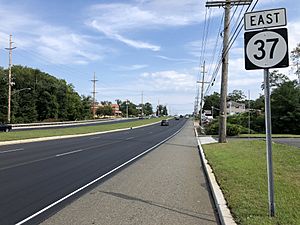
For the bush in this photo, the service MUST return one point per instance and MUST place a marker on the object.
(231, 130)
(212, 128)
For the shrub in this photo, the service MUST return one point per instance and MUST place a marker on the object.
(232, 129)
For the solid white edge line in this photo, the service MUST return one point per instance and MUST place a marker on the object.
(96, 180)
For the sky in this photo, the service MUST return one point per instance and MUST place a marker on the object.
(154, 47)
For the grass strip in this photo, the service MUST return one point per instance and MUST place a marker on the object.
(273, 135)
(241, 171)
(20, 135)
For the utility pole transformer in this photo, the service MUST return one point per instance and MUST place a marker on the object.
(224, 78)
(94, 95)
(10, 48)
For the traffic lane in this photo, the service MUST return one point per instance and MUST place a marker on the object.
(72, 125)
(20, 154)
(288, 141)
(29, 188)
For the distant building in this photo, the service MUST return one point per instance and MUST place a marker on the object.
(235, 108)
(116, 110)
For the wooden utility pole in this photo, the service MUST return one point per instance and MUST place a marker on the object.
(142, 109)
(202, 92)
(227, 4)
(94, 95)
(10, 48)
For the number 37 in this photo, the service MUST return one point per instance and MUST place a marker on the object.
(261, 47)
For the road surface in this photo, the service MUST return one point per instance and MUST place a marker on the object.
(35, 175)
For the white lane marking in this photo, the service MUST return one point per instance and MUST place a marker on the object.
(129, 138)
(26, 163)
(72, 152)
(95, 138)
(96, 180)
(150, 132)
(13, 150)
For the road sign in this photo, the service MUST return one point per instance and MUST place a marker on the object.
(266, 49)
(265, 19)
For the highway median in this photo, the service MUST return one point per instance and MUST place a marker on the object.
(38, 133)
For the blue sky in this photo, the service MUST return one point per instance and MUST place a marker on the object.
(134, 46)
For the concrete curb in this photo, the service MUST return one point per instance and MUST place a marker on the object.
(220, 202)
(68, 136)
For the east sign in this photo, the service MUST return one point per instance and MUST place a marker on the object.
(266, 48)
(265, 19)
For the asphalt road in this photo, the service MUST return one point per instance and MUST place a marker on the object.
(288, 141)
(35, 175)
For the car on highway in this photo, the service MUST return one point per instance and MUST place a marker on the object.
(164, 123)
(5, 127)
(176, 117)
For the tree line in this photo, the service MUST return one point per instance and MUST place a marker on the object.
(132, 109)
(285, 106)
(38, 96)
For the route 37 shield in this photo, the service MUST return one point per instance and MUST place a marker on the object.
(266, 49)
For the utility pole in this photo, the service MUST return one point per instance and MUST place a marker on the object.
(126, 108)
(10, 48)
(142, 104)
(227, 4)
(94, 95)
(202, 91)
(158, 108)
(298, 73)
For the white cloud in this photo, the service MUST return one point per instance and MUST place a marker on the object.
(176, 59)
(113, 35)
(52, 44)
(131, 67)
(116, 19)
(168, 81)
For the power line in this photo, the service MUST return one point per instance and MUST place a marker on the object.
(231, 41)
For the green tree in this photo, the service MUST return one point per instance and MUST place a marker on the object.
(212, 101)
(286, 108)
(86, 112)
(276, 79)
(236, 96)
(148, 110)
(105, 110)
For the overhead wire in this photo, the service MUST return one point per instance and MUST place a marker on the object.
(230, 43)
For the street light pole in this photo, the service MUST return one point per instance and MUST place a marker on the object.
(9, 77)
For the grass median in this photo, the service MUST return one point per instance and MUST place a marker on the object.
(28, 134)
(241, 171)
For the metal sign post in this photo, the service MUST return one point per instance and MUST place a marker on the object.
(269, 143)
(265, 49)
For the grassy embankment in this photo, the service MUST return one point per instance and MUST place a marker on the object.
(240, 168)
(18, 135)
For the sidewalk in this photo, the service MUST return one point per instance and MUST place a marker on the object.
(167, 186)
